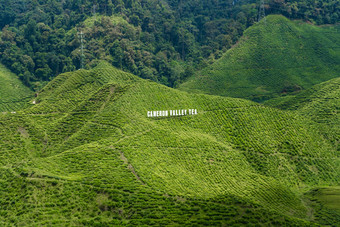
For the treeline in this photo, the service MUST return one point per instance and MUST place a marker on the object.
(165, 41)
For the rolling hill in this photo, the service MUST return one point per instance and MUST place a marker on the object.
(274, 57)
(88, 154)
(13, 94)
(320, 103)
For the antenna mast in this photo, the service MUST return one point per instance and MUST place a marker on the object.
(82, 56)
(262, 11)
(94, 11)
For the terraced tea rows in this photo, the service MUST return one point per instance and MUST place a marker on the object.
(319, 103)
(272, 59)
(13, 94)
(88, 154)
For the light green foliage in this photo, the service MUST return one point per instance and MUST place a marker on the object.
(319, 103)
(13, 94)
(88, 154)
(273, 58)
(116, 20)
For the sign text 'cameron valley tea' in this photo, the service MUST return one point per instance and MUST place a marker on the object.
(169, 113)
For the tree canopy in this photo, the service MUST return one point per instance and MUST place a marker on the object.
(160, 40)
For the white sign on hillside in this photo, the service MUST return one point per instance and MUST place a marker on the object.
(170, 113)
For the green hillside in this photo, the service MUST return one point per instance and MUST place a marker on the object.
(13, 94)
(320, 103)
(88, 154)
(276, 56)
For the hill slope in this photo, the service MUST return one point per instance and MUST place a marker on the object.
(13, 94)
(88, 148)
(319, 103)
(273, 57)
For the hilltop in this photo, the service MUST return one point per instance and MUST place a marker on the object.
(274, 57)
(87, 153)
(14, 95)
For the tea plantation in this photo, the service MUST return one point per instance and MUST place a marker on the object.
(320, 103)
(87, 154)
(13, 94)
(274, 57)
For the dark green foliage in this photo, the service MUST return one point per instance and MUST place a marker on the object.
(153, 39)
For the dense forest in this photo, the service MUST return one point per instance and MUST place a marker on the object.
(165, 41)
